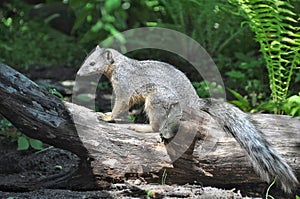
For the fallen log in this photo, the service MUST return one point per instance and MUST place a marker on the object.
(113, 153)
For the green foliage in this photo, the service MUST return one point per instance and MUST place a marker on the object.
(164, 177)
(58, 167)
(297, 197)
(149, 193)
(241, 102)
(97, 20)
(24, 142)
(216, 26)
(55, 92)
(255, 96)
(267, 192)
(290, 106)
(103, 85)
(277, 31)
(26, 41)
(132, 118)
(36, 144)
(8, 130)
(208, 22)
(247, 70)
(206, 89)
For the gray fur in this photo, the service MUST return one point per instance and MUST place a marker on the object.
(265, 160)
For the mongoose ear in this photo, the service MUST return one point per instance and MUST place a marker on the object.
(109, 56)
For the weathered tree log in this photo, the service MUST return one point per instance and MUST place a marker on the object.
(111, 152)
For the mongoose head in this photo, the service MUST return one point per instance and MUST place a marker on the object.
(98, 61)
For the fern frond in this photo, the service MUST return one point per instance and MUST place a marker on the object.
(277, 31)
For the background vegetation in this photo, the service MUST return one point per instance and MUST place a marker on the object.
(48, 33)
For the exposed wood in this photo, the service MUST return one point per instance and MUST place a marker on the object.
(111, 152)
(36, 112)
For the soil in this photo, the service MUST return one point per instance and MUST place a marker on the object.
(126, 191)
(31, 168)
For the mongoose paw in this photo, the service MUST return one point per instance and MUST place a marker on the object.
(105, 116)
(162, 139)
(167, 133)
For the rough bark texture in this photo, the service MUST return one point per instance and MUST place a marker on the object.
(113, 153)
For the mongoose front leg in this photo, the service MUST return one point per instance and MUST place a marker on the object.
(119, 108)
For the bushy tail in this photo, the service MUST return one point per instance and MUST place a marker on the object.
(265, 160)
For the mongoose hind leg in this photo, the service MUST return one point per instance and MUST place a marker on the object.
(164, 113)
(141, 128)
(172, 121)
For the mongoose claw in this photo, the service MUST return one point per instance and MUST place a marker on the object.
(105, 116)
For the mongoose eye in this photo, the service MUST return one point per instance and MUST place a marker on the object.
(92, 63)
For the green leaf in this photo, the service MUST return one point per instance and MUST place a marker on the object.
(242, 103)
(294, 98)
(51, 18)
(55, 92)
(81, 18)
(23, 143)
(235, 74)
(286, 11)
(132, 118)
(58, 167)
(149, 193)
(36, 144)
(97, 27)
(76, 3)
(111, 5)
(196, 2)
(297, 197)
(294, 111)
(238, 96)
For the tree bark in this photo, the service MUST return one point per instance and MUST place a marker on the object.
(109, 152)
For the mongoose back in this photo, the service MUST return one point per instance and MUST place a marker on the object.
(165, 91)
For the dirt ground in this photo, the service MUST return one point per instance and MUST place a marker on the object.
(166, 192)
